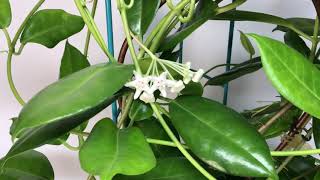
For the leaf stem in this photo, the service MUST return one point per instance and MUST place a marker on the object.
(298, 31)
(11, 47)
(220, 65)
(125, 111)
(274, 118)
(6, 34)
(20, 29)
(163, 29)
(173, 144)
(314, 40)
(179, 145)
(229, 7)
(160, 35)
(152, 35)
(10, 79)
(128, 36)
(289, 158)
(164, 143)
(84, 12)
(70, 147)
(9, 68)
(88, 37)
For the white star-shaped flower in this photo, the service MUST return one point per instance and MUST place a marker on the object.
(139, 83)
(160, 83)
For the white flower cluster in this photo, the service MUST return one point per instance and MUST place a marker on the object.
(146, 85)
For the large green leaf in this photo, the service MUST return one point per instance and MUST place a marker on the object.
(49, 27)
(72, 61)
(67, 103)
(240, 70)
(203, 12)
(221, 137)
(293, 40)
(5, 13)
(141, 14)
(174, 168)
(140, 111)
(30, 165)
(304, 24)
(294, 76)
(109, 151)
(151, 128)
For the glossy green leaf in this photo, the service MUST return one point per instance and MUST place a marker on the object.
(294, 76)
(109, 151)
(5, 13)
(30, 165)
(246, 44)
(193, 88)
(151, 128)
(203, 12)
(175, 168)
(140, 111)
(237, 15)
(141, 14)
(304, 24)
(293, 40)
(316, 132)
(68, 103)
(221, 137)
(240, 70)
(72, 61)
(50, 26)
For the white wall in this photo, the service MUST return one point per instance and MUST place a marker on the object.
(38, 66)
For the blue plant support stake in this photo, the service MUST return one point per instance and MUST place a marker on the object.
(229, 55)
(111, 48)
(181, 49)
(181, 52)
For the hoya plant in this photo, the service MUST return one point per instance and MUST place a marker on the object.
(164, 128)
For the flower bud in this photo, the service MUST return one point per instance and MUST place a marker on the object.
(147, 97)
(178, 86)
(198, 75)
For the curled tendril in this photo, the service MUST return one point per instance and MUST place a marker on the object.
(178, 13)
(123, 4)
